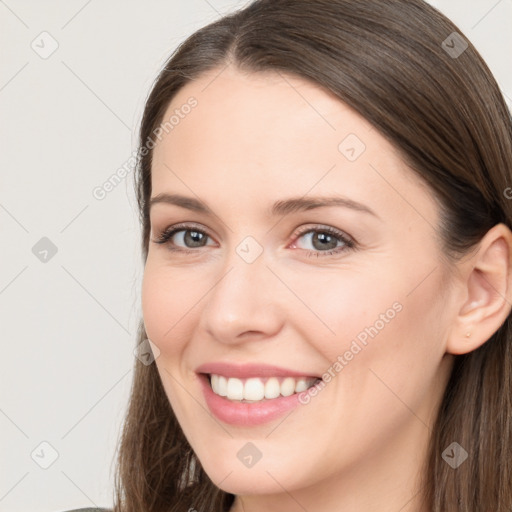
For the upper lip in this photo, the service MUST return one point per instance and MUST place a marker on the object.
(247, 370)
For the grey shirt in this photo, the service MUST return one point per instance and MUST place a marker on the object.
(89, 510)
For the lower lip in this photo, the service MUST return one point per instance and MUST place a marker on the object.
(246, 414)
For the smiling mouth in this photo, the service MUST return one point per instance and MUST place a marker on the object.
(258, 389)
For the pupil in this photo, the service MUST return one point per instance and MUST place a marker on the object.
(324, 237)
(194, 237)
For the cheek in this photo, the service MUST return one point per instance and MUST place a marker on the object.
(346, 305)
(394, 346)
(390, 321)
(166, 306)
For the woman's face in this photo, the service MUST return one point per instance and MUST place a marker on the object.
(253, 277)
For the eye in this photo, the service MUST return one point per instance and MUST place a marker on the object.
(325, 241)
(190, 236)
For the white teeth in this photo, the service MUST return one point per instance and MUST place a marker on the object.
(235, 389)
(288, 386)
(256, 389)
(222, 386)
(272, 388)
(301, 385)
(214, 382)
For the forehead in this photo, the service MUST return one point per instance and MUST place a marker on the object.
(273, 134)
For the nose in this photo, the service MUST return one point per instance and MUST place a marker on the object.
(245, 302)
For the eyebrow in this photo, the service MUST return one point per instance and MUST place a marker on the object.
(282, 207)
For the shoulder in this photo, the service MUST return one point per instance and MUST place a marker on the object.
(89, 509)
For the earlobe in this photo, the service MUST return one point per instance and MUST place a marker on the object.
(488, 292)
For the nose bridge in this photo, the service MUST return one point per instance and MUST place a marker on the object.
(243, 297)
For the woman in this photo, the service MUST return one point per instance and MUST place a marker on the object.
(327, 289)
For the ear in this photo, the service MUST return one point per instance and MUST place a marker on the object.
(487, 289)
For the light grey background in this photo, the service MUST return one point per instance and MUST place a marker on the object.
(68, 122)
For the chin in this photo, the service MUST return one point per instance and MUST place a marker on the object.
(268, 475)
(246, 481)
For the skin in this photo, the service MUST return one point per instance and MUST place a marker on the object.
(361, 442)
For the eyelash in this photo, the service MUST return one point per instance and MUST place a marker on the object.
(165, 237)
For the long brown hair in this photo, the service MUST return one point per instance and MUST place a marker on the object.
(399, 65)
